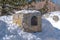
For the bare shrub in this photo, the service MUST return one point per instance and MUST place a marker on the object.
(55, 18)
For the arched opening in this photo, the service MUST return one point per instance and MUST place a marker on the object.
(34, 21)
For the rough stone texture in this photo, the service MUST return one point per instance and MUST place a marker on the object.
(17, 18)
(25, 21)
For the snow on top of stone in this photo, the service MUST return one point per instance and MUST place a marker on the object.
(27, 11)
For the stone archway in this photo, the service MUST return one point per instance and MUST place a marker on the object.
(34, 21)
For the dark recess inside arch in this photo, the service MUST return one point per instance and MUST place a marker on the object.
(34, 21)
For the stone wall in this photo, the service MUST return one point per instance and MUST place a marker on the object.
(17, 19)
(27, 23)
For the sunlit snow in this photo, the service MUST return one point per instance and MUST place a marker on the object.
(54, 23)
(11, 31)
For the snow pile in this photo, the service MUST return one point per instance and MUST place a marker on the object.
(7, 19)
(11, 31)
(53, 22)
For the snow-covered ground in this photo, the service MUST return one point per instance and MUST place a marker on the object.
(50, 18)
(11, 31)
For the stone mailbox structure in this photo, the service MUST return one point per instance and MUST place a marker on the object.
(29, 20)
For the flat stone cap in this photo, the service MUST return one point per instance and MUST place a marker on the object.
(27, 11)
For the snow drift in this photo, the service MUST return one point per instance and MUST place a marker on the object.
(55, 24)
(50, 29)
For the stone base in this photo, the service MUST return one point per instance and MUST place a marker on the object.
(32, 29)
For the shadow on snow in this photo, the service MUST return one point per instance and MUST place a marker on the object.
(48, 31)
